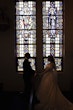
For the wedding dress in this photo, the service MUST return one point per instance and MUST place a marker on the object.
(49, 94)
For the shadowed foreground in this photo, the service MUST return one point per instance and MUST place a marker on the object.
(49, 94)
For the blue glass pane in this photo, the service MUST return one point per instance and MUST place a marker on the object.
(58, 62)
(26, 8)
(20, 64)
(52, 8)
(52, 36)
(52, 22)
(26, 37)
(25, 22)
(46, 50)
(22, 49)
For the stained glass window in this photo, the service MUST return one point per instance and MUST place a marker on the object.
(52, 14)
(53, 31)
(25, 32)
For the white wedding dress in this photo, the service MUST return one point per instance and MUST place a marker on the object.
(49, 93)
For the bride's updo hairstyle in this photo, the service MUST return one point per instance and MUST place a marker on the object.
(51, 60)
(27, 55)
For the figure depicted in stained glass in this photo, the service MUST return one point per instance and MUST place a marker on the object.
(25, 31)
(53, 31)
(52, 16)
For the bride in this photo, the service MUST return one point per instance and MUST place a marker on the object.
(48, 91)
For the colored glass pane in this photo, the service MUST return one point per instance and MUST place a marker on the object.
(26, 8)
(20, 64)
(22, 49)
(26, 37)
(58, 62)
(25, 22)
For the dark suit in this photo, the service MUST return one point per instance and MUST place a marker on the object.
(28, 76)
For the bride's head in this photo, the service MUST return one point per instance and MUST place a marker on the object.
(51, 62)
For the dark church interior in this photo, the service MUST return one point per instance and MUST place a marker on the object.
(11, 82)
